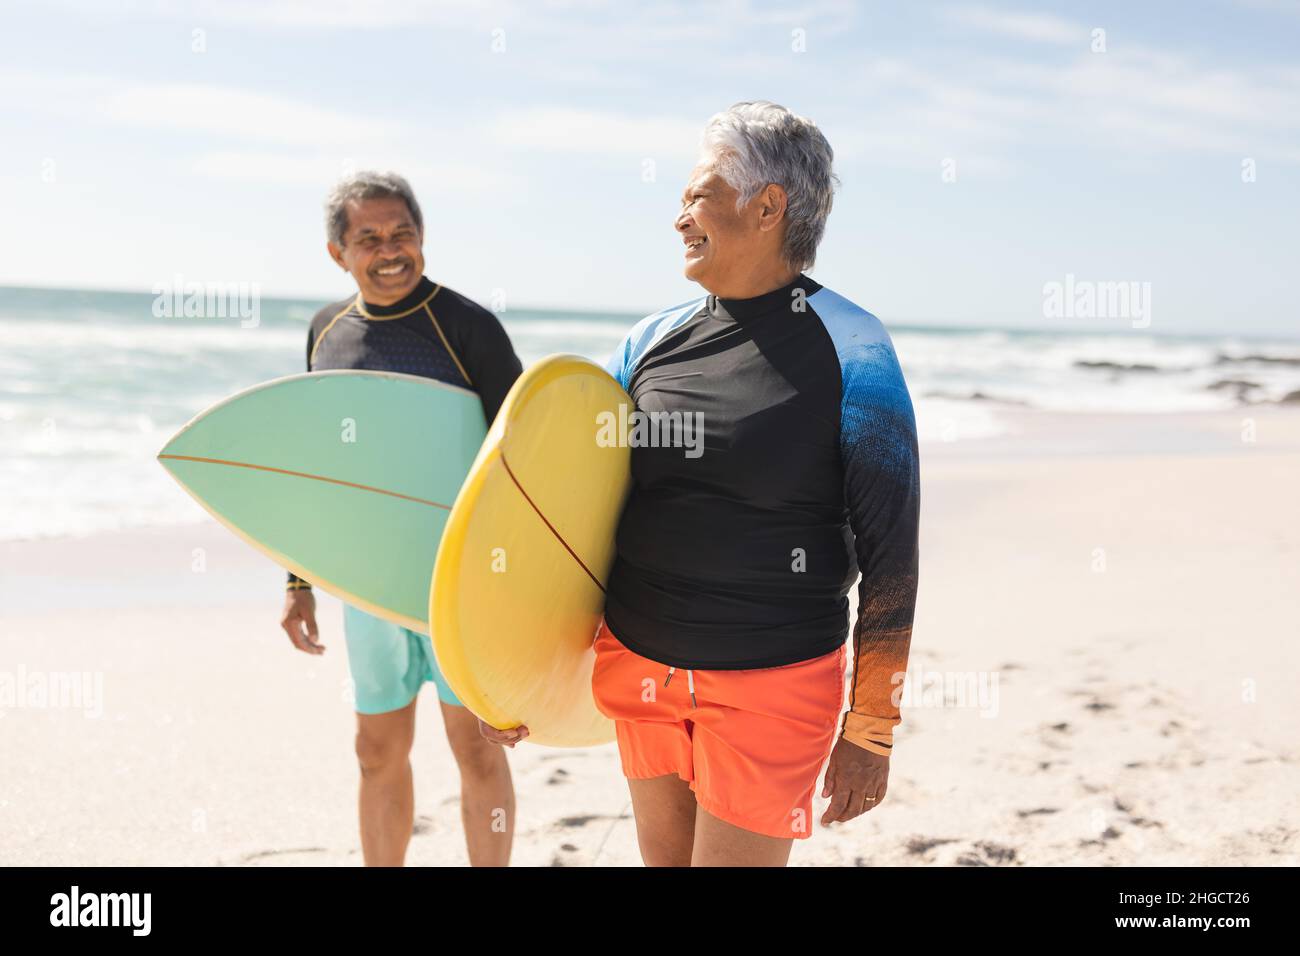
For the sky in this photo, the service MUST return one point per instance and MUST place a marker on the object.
(984, 149)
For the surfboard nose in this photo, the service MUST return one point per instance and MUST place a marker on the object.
(321, 472)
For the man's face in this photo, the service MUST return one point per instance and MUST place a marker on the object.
(719, 238)
(381, 248)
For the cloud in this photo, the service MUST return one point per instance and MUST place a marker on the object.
(1289, 7)
(1037, 27)
(560, 129)
(1132, 99)
(913, 107)
(245, 136)
(305, 14)
(603, 29)
(232, 113)
(1164, 100)
(318, 170)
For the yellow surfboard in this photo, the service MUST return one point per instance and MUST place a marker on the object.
(518, 585)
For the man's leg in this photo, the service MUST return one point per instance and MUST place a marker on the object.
(654, 746)
(487, 795)
(760, 740)
(665, 812)
(719, 843)
(387, 804)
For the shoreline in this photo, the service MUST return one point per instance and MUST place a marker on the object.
(1027, 433)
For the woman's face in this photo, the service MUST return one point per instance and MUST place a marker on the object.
(719, 238)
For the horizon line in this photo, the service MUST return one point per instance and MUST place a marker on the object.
(897, 324)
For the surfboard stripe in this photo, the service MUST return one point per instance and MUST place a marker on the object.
(304, 474)
(558, 537)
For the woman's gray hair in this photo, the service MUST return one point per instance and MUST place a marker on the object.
(366, 185)
(758, 143)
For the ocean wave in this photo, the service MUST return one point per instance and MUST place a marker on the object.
(172, 338)
(1258, 358)
(1106, 365)
(89, 393)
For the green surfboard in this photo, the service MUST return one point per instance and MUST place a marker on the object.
(345, 478)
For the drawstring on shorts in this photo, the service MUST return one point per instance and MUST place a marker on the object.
(690, 682)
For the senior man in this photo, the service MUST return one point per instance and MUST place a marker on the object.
(401, 321)
(721, 658)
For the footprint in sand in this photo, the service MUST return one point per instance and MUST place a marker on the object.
(1037, 812)
(1055, 736)
(567, 856)
(276, 857)
(1110, 833)
(986, 853)
(570, 823)
(920, 846)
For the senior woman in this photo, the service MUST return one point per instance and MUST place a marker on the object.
(721, 657)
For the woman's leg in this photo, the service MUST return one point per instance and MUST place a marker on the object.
(664, 808)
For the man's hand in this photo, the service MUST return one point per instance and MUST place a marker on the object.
(299, 621)
(506, 738)
(856, 780)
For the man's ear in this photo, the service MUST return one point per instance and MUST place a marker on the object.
(336, 253)
(773, 202)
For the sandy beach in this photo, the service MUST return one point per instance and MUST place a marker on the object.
(1121, 592)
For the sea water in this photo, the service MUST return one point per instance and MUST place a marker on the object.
(92, 384)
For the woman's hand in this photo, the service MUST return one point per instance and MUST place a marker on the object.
(506, 738)
(856, 780)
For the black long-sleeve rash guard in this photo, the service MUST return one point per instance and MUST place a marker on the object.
(739, 553)
(434, 332)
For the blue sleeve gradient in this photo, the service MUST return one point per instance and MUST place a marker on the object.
(882, 491)
(643, 337)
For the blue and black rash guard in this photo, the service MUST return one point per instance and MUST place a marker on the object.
(433, 332)
(743, 556)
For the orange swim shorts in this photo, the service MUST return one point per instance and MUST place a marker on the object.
(751, 743)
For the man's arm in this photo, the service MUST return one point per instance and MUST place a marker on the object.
(489, 357)
(617, 363)
(883, 495)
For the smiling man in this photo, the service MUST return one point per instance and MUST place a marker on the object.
(400, 321)
(735, 566)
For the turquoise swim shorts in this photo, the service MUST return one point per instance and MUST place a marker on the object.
(389, 663)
